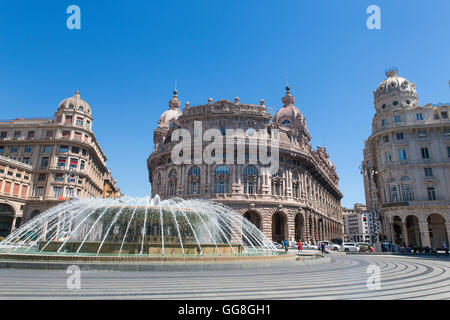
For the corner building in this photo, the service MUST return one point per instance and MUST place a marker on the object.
(409, 150)
(301, 201)
(44, 162)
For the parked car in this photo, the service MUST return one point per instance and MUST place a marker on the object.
(349, 247)
(332, 246)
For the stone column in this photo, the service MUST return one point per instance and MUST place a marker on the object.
(424, 234)
(405, 234)
(392, 232)
(447, 227)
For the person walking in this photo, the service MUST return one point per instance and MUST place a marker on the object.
(286, 246)
(446, 248)
(299, 246)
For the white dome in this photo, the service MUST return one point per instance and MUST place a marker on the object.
(76, 103)
(394, 84)
(171, 115)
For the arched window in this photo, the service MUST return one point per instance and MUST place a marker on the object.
(222, 177)
(172, 182)
(71, 106)
(194, 180)
(250, 179)
(80, 108)
(286, 123)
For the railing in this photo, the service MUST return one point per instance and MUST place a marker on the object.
(20, 163)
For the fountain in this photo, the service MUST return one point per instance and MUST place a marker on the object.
(139, 227)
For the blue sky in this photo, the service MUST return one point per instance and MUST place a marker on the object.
(128, 54)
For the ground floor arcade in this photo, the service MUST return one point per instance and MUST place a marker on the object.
(417, 229)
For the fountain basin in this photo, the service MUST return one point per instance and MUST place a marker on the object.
(154, 248)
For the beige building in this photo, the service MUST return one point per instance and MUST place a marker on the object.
(299, 201)
(356, 223)
(408, 155)
(46, 161)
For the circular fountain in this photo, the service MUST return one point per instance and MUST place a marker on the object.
(138, 228)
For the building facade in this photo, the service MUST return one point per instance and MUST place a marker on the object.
(46, 161)
(357, 223)
(299, 201)
(408, 154)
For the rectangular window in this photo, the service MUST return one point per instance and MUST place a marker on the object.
(448, 152)
(386, 139)
(62, 161)
(77, 136)
(387, 157)
(57, 192)
(2, 149)
(66, 134)
(14, 149)
(79, 121)
(400, 136)
(422, 133)
(68, 120)
(88, 124)
(3, 134)
(73, 163)
(82, 165)
(39, 191)
(431, 193)
(383, 122)
(59, 119)
(76, 150)
(42, 177)
(402, 155)
(428, 172)
(28, 149)
(17, 134)
(63, 149)
(425, 153)
(59, 177)
(69, 193)
(446, 132)
(397, 119)
(419, 116)
(26, 160)
(47, 149)
(49, 134)
(30, 135)
(44, 162)
(444, 115)
(394, 194)
(83, 152)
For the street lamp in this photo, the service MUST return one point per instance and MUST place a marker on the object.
(367, 170)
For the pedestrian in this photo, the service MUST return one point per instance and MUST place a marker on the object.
(286, 246)
(446, 248)
(299, 246)
(323, 247)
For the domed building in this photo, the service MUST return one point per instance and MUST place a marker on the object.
(44, 162)
(299, 201)
(406, 165)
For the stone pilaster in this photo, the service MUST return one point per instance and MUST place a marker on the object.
(424, 234)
